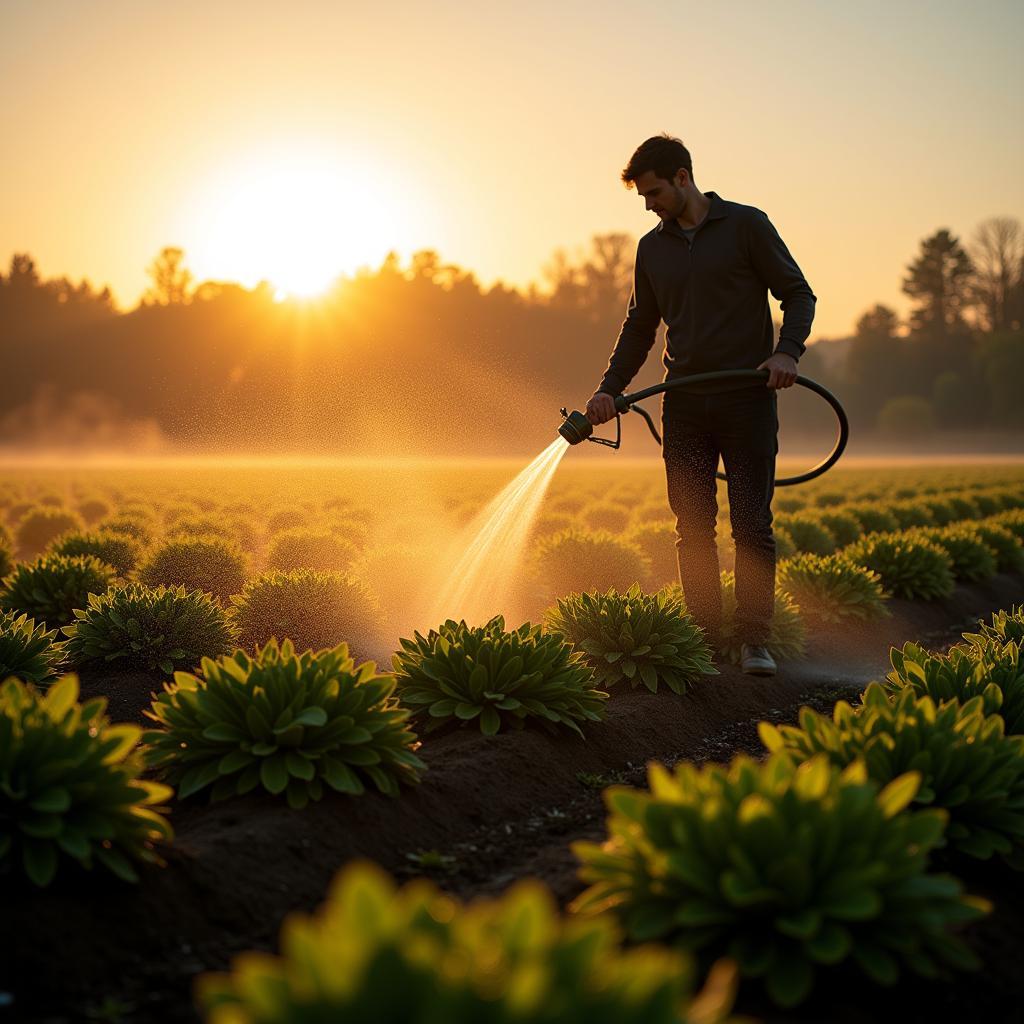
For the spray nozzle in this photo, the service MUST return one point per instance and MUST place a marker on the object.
(576, 427)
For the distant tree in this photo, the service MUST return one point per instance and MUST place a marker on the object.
(906, 416)
(938, 280)
(23, 274)
(171, 280)
(997, 253)
(874, 366)
(1001, 363)
(599, 285)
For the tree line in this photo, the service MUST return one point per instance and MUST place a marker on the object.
(420, 358)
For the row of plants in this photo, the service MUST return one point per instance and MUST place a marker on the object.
(286, 723)
(817, 860)
(291, 723)
(166, 629)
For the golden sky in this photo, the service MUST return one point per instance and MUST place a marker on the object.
(297, 140)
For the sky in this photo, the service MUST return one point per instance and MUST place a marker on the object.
(296, 141)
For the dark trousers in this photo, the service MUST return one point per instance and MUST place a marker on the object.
(742, 427)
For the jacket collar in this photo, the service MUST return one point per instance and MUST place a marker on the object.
(716, 211)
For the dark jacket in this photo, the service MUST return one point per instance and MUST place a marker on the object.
(713, 297)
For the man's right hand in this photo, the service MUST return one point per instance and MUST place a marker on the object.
(600, 408)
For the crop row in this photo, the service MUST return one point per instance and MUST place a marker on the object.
(818, 857)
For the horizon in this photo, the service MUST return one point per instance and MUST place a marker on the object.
(374, 124)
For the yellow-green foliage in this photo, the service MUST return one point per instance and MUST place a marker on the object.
(657, 540)
(312, 609)
(789, 868)
(984, 666)
(303, 548)
(832, 589)
(31, 652)
(968, 765)
(417, 956)
(972, 558)
(497, 677)
(117, 549)
(844, 526)
(643, 638)
(209, 563)
(152, 629)
(910, 566)
(807, 532)
(287, 722)
(576, 561)
(606, 515)
(70, 786)
(53, 586)
(40, 526)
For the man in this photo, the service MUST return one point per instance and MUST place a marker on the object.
(706, 270)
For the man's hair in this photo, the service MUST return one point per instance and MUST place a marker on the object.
(662, 154)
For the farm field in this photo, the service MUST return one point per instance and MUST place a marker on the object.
(481, 753)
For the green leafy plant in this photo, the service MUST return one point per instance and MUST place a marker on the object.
(807, 532)
(909, 566)
(313, 609)
(941, 511)
(116, 549)
(962, 505)
(657, 540)
(142, 529)
(288, 722)
(92, 509)
(645, 638)
(575, 561)
(844, 526)
(70, 786)
(53, 586)
(37, 528)
(208, 563)
(153, 629)
(1008, 548)
(606, 515)
(972, 558)
(6, 559)
(302, 548)
(910, 513)
(200, 526)
(418, 956)
(1012, 521)
(1006, 626)
(873, 519)
(788, 868)
(497, 677)
(30, 652)
(983, 667)
(832, 589)
(968, 765)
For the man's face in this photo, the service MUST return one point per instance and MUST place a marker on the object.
(666, 198)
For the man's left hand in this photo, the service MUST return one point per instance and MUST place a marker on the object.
(782, 370)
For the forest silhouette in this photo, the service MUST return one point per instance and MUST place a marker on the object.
(421, 360)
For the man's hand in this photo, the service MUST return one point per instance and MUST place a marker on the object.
(782, 370)
(600, 408)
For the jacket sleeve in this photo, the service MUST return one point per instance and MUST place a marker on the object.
(637, 334)
(785, 280)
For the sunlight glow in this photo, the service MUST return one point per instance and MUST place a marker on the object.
(298, 219)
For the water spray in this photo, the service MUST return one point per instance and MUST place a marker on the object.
(576, 427)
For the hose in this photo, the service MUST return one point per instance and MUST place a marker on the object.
(626, 403)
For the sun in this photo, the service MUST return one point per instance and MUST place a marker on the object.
(296, 220)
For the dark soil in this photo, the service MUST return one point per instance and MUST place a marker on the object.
(489, 811)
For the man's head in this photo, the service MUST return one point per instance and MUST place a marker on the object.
(662, 172)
